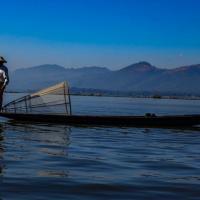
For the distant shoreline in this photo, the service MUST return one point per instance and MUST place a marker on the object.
(90, 94)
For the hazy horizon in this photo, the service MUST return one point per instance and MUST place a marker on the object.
(110, 33)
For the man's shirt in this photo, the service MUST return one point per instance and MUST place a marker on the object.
(5, 74)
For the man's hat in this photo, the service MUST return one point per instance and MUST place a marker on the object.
(2, 59)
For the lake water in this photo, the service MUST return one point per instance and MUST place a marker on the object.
(49, 161)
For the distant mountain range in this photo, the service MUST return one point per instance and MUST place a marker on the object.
(138, 77)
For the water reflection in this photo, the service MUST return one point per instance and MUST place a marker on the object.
(42, 132)
(1, 149)
(1, 155)
(102, 163)
(41, 147)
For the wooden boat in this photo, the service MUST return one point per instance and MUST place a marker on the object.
(53, 105)
(134, 121)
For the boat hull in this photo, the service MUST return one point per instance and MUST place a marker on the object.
(131, 121)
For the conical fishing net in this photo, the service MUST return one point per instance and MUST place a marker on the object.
(53, 100)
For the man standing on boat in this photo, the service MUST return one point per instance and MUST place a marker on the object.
(4, 78)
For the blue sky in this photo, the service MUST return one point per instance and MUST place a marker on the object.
(111, 33)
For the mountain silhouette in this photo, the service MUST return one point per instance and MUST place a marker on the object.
(141, 76)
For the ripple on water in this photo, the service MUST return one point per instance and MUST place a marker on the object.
(56, 161)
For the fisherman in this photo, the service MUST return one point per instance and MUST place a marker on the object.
(4, 78)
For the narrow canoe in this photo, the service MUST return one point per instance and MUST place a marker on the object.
(130, 121)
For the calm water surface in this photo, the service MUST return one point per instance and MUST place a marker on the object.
(45, 161)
